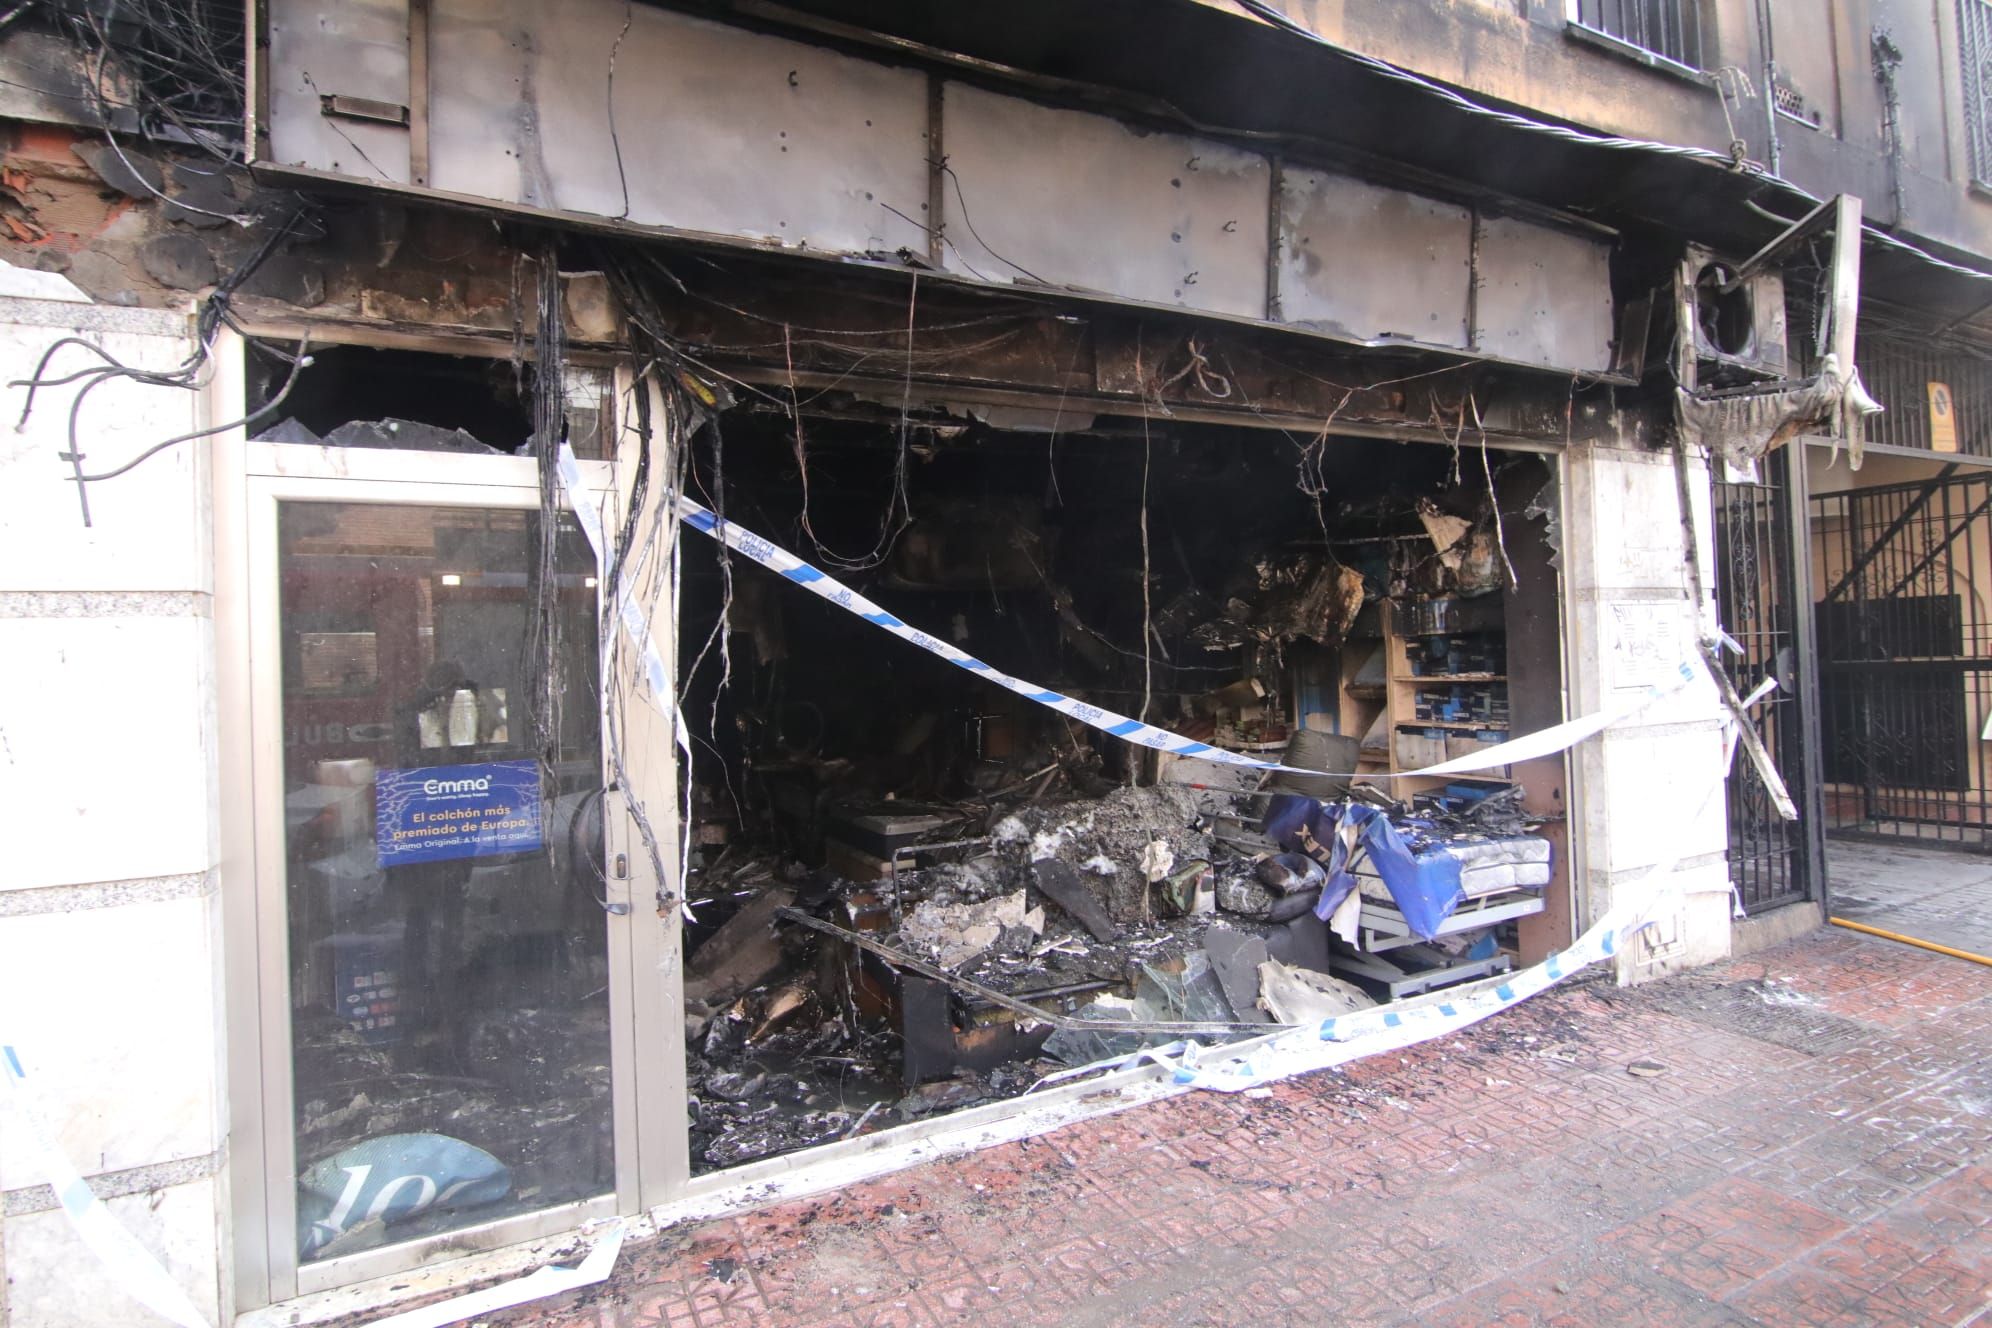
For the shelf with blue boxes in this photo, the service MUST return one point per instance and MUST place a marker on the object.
(1448, 689)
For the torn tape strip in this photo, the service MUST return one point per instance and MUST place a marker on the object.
(636, 625)
(568, 468)
(132, 1268)
(1352, 1037)
(1542, 743)
(549, 1280)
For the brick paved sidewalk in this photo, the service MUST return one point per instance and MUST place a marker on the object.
(1938, 894)
(1816, 1150)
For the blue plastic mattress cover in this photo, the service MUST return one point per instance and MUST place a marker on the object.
(1424, 882)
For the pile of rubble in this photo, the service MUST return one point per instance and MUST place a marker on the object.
(823, 1007)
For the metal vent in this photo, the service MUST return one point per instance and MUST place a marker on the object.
(1791, 103)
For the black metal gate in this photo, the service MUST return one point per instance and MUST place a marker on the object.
(1764, 604)
(1905, 659)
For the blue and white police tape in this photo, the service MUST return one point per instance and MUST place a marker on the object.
(1364, 1033)
(131, 1267)
(1544, 742)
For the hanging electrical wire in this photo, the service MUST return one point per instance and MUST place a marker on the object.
(634, 573)
(214, 313)
(632, 286)
(1147, 575)
(898, 513)
(721, 636)
(609, 95)
(545, 655)
(179, 63)
(686, 380)
(299, 361)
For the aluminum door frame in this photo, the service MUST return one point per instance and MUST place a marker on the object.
(250, 480)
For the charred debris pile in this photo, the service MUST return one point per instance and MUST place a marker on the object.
(913, 891)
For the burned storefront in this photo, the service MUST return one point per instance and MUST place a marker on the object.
(908, 888)
(913, 889)
(846, 611)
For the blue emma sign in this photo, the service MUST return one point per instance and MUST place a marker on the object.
(436, 812)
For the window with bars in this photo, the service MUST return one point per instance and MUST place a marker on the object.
(1669, 29)
(1902, 371)
(1974, 38)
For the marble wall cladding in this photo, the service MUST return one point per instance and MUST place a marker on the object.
(112, 1012)
(54, 1281)
(107, 748)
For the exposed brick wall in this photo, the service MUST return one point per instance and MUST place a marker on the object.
(69, 205)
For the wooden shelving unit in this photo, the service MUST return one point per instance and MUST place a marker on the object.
(1365, 688)
(1410, 743)
(1527, 618)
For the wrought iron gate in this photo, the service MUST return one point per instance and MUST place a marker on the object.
(1905, 645)
(1764, 604)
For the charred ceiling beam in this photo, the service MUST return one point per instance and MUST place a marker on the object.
(809, 344)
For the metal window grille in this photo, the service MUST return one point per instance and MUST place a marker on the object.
(1974, 32)
(1898, 371)
(1754, 593)
(1668, 28)
(1905, 648)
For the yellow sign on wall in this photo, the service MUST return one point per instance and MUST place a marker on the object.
(1943, 419)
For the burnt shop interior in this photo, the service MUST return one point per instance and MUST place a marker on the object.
(910, 890)
(916, 891)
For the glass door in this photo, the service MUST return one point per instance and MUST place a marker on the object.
(440, 992)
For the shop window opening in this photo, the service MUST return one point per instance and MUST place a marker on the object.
(858, 803)
(367, 396)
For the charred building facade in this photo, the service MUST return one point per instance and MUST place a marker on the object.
(617, 609)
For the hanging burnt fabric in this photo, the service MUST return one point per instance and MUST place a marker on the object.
(1286, 596)
(1744, 427)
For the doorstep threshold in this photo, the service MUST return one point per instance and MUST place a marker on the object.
(809, 1171)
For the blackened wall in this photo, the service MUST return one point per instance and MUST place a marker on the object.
(1526, 53)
